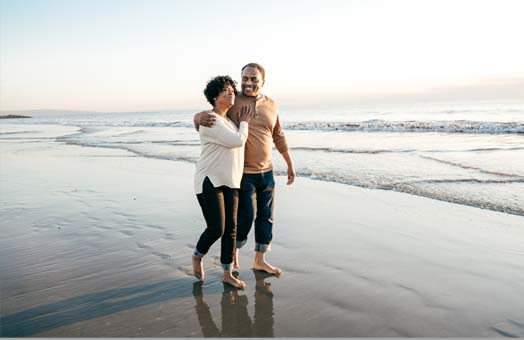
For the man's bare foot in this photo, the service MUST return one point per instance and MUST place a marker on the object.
(266, 267)
(233, 281)
(236, 265)
(198, 267)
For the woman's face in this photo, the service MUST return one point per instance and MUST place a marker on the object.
(226, 97)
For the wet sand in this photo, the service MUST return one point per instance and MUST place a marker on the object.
(98, 242)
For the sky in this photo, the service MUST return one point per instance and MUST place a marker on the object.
(127, 55)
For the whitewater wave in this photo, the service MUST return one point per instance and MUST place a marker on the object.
(339, 150)
(379, 151)
(178, 142)
(17, 132)
(463, 166)
(419, 188)
(127, 146)
(373, 125)
(111, 123)
(426, 188)
(455, 126)
(132, 133)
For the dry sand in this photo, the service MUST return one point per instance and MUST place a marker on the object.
(97, 242)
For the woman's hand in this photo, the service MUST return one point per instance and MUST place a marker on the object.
(246, 114)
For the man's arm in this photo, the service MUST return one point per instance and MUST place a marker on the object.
(281, 144)
(203, 118)
(290, 168)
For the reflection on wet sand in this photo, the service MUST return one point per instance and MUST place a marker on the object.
(235, 318)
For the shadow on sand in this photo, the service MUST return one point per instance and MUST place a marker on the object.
(235, 320)
(90, 306)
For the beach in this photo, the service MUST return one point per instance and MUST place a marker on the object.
(97, 241)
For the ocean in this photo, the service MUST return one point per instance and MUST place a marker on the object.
(468, 153)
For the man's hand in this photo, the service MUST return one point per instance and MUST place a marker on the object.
(204, 118)
(290, 167)
(291, 175)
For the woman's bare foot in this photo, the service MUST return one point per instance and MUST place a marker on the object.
(198, 267)
(236, 265)
(233, 281)
(266, 267)
(261, 264)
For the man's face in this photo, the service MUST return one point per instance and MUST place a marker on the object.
(252, 81)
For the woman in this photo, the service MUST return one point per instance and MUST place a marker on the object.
(218, 175)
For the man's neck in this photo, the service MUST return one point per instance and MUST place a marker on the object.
(257, 97)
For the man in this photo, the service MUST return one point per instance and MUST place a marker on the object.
(257, 187)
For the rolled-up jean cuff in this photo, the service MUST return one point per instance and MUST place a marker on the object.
(262, 248)
(197, 253)
(240, 244)
(226, 266)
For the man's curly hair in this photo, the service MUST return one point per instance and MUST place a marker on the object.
(217, 85)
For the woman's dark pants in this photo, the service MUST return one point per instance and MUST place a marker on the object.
(219, 206)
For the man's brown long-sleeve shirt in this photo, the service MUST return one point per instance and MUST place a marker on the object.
(264, 130)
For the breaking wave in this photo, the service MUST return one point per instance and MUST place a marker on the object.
(455, 126)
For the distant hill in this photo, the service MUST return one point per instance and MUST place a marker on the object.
(36, 113)
(13, 116)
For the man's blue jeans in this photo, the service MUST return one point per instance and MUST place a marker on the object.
(256, 204)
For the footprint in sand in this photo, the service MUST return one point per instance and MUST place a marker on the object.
(188, 270)
(216, 261)
(510, 328)
(127, 232)
(143, 246)
(162, 256)
(170, 236)
(154, 226)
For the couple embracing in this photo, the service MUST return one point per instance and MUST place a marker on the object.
(234, 180)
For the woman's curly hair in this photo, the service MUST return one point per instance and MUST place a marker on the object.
(217, 85)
